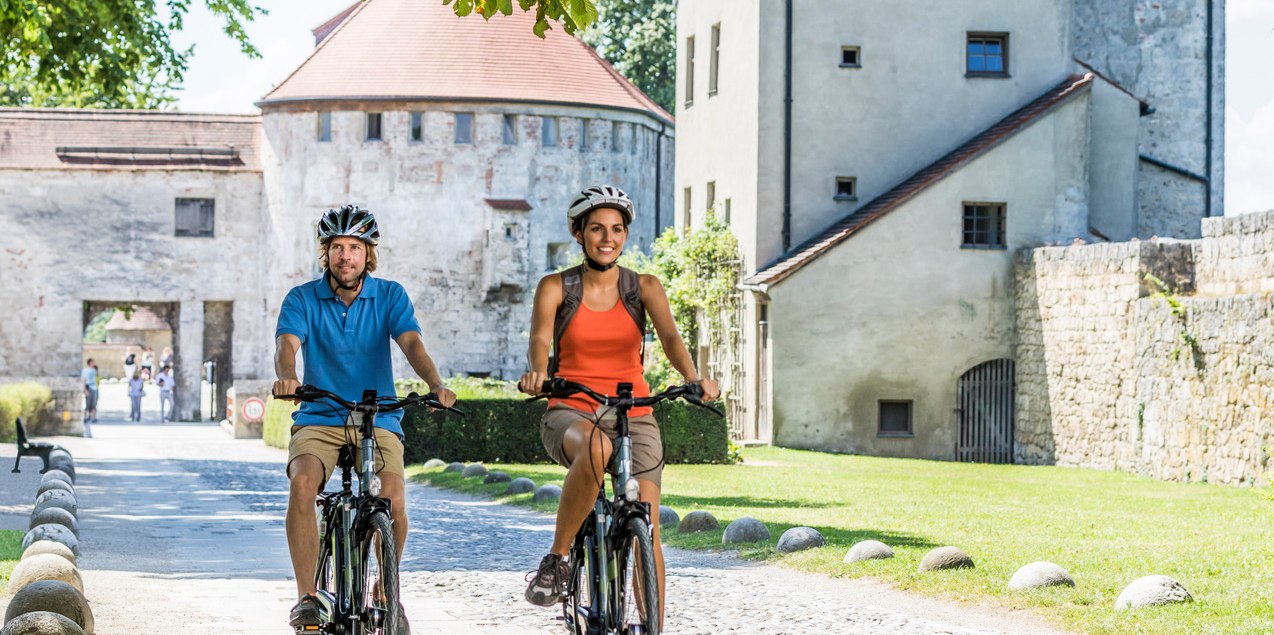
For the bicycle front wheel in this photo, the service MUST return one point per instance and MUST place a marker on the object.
(640, 602)
(378, 573)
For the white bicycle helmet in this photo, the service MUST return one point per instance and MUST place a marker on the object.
(595, 196)
(349, 220)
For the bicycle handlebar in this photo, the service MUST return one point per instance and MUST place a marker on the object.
(560, 388)
(312, 394)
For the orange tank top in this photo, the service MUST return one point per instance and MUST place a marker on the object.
(600, 349)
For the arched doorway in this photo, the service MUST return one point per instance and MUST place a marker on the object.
(985, 400)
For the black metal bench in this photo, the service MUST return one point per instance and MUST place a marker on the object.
(26, 448)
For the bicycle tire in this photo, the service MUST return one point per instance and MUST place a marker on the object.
(378, 575)
(641, 577)
(580, 601)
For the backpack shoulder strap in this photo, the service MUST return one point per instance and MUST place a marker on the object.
(630, 295)
(572, 296)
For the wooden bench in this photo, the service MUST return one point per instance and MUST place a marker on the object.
(26, 448)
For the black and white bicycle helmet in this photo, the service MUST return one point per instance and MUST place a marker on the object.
(595, 196)
(350, 220)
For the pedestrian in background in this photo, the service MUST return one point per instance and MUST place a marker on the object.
(91, 378)
(164, 381)
(130, 364)
(167, 358)
(136, 390)
(148, 363)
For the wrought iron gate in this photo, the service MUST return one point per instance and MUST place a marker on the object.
(986, 405)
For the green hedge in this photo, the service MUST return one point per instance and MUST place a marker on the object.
(508, 431)
(26, 400)
(277, 429)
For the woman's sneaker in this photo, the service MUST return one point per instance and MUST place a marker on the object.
(305, 617)
(548, 583)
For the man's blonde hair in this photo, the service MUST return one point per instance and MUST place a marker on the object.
(371, 255)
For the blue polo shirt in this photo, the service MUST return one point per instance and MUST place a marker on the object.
(346, 349)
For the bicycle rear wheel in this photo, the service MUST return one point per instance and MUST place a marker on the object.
(639, 601)
(378, 573)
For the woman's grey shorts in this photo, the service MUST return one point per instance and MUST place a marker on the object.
(648, 448)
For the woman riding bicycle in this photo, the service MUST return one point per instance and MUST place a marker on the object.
(600, 347)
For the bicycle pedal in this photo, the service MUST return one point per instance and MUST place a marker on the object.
(308, 629)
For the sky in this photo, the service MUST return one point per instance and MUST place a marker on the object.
(223, 80)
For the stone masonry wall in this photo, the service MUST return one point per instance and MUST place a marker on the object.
(1112, 375)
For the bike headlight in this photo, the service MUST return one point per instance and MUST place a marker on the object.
(374, 486)
(632, 491)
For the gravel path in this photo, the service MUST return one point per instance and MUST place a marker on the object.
(182, 532)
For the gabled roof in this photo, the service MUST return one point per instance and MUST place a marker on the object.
(59, 139)
(920, 181)
(420, 50)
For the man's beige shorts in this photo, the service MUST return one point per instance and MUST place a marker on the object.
(648, 447)
(324, 442)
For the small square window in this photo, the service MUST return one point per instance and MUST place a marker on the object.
(464, 128)
(984, 226)
(373, 126)
(548, 132)
(417, 126)
(194, 217)
(849, 57)
(895, 419)
(510, 130)
(325, 126)
(846, 188)
(987, 55)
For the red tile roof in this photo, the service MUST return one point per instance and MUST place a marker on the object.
(893, 199)
(40, 138)
(420, 50)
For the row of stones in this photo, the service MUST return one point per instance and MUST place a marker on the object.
(1150, 590)
(46, 588)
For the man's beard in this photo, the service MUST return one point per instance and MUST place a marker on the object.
(348, 283)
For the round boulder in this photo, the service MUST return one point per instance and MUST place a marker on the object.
(60, 455)
(54, 532)
(57, 516)
(44, 566)
(454, 467)
(53, 596)
(49, 546)
(432, 463)
(41, 623)
(667, 516)
(54, 484)
(474, 469)
(946, 558)
(868, 550)
(697, 521)
(520, 486)
(65, 464)
(1152, 590)
(57, 475)
(799, 539)
(497, 477)
(745, 530)
(1038, 575)
(56, 498)
(548, 492)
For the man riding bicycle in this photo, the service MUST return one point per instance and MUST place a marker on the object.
(600, 346)
(343, 323)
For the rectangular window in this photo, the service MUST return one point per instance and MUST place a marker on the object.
(726, 216)
(895, 419)
(194, 217)
(548, 132)
(846, 188)
(849, 57)
(616, 137)
(373, 126)
(711, 197)
(417, 126)
(690, 70)
(984, 225)
(325, 126)
(510, 130)
(464, 127)
(583, 135)
(987, 55)
(714, 58)
(685, 208)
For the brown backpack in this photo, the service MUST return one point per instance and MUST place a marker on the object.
(573, 295)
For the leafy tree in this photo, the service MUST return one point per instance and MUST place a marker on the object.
(572, 14)
(102, 53)
(639, 37)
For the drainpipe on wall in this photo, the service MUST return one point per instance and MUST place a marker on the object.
(787, 130)
(1207, 138)
(659, 172)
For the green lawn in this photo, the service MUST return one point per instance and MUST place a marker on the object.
(1105, 528)
(10, 551)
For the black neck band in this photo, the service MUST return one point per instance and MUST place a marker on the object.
(597, 266)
